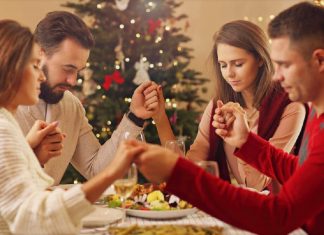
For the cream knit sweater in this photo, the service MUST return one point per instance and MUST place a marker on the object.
(25, 205)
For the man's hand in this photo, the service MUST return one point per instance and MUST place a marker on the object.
(145, 100)
(46, 140)
(231, 123)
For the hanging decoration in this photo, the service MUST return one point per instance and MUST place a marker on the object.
(141, 75)
(122, 4)
(120, 54)
(173, 118)
(114, 77)
(153, 25)
(89, 86)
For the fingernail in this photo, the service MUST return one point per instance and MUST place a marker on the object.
(56, 123)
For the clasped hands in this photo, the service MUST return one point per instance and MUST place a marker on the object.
(231, 124)
(46, 140)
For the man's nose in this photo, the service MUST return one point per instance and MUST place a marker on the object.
(72, 79)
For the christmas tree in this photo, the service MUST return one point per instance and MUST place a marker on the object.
(138, 40)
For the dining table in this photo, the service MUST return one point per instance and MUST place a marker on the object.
(199, 218)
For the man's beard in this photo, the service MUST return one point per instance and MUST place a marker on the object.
(47, 92)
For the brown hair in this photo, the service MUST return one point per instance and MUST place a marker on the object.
(303, 24)
(16, 47)
(59, 25)
(247, 36)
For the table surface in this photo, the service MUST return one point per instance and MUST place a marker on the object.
(198, 218)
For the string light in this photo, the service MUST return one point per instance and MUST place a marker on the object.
(103, 97)
(108, 123)
(246, 18)
(167, 28)
(158, 39)
(98, 87)
(117, 66)
(132, 21)
(87, 64)
(138, 35)
(98, 136)
(260, 18)
(144, 59)
(121, 26)
(161, 51)
(99, 6)
(80, 81)
(148, 10)
(175, 63)
(151, 66)
(160, 64)
(271, 17)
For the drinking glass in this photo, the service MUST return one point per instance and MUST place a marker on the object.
(210, 167)
(124, 185)
(127, 135)
(177, 146)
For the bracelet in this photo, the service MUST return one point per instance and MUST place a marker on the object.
(136, 120)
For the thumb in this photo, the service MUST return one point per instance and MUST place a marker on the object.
(160, 93)
(219, 103)
(143, 86)
(48, 129)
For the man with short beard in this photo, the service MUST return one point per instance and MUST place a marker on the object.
(66, 42)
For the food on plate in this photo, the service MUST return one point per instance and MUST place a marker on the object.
(166, 229)
(148, 197)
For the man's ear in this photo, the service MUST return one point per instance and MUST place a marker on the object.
(318, 55)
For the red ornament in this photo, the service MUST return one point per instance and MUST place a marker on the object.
(153, 25)
(114, 77)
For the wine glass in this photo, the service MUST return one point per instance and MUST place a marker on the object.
(127, 135)
(124, 185)
(210, 167)
(177, 146)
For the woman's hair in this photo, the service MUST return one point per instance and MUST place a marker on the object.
(16, 47)
(247, 36)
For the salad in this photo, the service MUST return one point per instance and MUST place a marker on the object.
(148, 197)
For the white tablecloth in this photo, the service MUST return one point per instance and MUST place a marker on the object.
(199, 218)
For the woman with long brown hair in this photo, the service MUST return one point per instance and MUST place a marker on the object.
(243, 70)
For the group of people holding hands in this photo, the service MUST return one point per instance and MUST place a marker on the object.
(268, 107)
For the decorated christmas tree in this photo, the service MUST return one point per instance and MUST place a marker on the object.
(138, 40)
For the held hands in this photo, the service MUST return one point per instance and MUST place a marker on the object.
(145, 100)
(231, 123)
(126, 153)
(46, 140)
(156, 163)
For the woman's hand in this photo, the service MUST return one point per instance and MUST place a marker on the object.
(231, 124)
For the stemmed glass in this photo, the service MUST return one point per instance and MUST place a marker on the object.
(124, 185)
(210, 167)
(127, 135)
(177, 146)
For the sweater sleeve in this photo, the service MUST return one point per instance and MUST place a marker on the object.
(89, 156)
(26, 207)
(199, 150)
(266, 158)
(301, 198)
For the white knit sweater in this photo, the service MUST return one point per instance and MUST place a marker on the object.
(25, 205)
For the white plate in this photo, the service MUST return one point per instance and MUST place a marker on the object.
(102, 216)
(167, 214)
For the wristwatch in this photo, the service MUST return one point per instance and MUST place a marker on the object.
(136, 120)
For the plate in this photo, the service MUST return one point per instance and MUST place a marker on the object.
(102, 216)
(167, 214)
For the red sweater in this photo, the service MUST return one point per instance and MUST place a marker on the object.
(300, 202)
